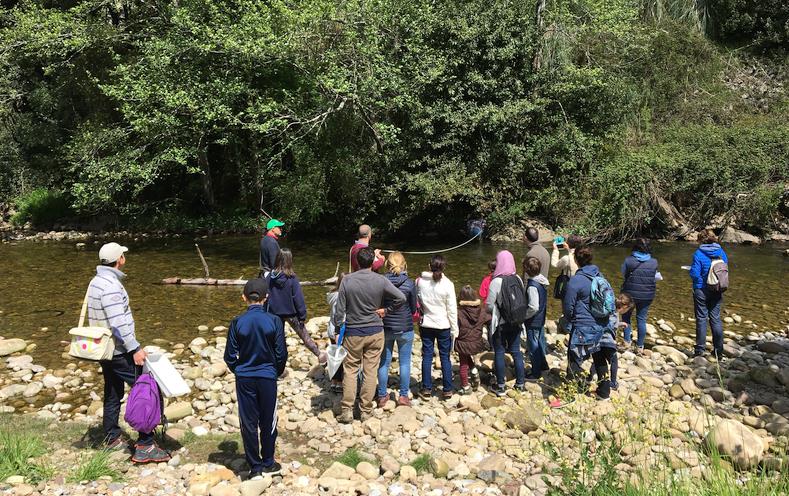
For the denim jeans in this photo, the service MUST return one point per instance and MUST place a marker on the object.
(642, 307)
(538, 348)
(507, 339)
(707, 306)
(444, 339)
(405, 341)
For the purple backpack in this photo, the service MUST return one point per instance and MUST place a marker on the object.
(144, 406)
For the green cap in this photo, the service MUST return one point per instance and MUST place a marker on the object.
(274, 223)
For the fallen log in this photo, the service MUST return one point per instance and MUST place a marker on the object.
(206, 281)
(202, 281)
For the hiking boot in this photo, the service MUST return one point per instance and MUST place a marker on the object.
(382, 401)
(117, 444)
(445, 395)
(474, 379)
(364, 417)
(640, 351)
(345, 417)
(425, 394)
(150, 454)
(520, 387)
(274, 469)
(499, 390)
(533, 377)
(403, 401)
(253, 475)
(464, 390)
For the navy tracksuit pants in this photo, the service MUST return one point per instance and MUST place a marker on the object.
(257, 410)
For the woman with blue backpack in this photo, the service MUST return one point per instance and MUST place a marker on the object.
(710, 275)
(640, 271)
(587, 305)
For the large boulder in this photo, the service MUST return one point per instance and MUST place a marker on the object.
(731, 235)
(8, 346)
(737, 442)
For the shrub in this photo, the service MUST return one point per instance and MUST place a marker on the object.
(40, 207)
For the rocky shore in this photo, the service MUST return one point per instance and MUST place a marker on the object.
(670, 417)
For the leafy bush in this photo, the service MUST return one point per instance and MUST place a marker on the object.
(40, 207)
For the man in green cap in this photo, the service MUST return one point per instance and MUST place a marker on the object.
(269, 247)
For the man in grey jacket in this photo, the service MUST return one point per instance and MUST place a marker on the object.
(360, 300)
(537, 250)
(108, 307)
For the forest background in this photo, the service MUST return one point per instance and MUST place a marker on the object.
(608, 117)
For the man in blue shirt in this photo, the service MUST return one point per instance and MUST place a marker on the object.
(257, 355)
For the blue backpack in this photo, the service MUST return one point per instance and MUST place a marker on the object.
(602, 298)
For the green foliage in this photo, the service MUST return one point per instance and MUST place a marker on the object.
(16, 450)
(96, 465)
(413, 113)
(353, 457)
(41, 207)
(422, 463)
(765, 23)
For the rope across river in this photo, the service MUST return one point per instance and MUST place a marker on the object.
(436, 251)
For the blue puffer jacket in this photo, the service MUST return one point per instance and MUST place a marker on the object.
(578, 299)
(401, 319)
(702, 260)
(639, 272)
(285, 298)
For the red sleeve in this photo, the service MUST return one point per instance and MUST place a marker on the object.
(377, 264)
(484, 288)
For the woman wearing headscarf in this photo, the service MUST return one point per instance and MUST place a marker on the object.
(506, 335)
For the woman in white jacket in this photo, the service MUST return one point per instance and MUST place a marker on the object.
(438, 302)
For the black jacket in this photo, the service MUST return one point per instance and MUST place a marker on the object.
(269, 249)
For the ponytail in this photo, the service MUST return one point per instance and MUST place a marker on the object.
(437, 266)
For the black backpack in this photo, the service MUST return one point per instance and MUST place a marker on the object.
(512, 301)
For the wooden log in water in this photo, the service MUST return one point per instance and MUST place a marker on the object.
(202, 281)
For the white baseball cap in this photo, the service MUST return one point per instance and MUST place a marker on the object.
(111, 252)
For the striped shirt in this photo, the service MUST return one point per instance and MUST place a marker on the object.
(108, 306)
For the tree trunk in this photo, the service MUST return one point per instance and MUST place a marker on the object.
(540, 22)
(205, 169)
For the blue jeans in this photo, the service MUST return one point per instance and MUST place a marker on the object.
(444, 339)
(642, 307)
(537, 346)
(404, 340)
(707, 306)
(507, 339)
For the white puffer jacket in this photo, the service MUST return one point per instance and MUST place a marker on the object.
(438, 302)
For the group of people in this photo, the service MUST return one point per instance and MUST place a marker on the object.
(371, 312)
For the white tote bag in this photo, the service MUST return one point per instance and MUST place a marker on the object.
(90, 343)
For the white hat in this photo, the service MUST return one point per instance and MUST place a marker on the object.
(111, 252)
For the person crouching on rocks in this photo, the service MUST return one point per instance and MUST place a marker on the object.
(257, 355)
(286, 300)
(473, 316)
(108, 307)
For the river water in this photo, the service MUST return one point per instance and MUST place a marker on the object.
(43, 283)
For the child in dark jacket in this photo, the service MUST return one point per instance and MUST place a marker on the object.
(256, 354)
(606, 357)
(286, 300)
(472, 317)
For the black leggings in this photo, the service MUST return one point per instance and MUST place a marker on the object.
(602, 359)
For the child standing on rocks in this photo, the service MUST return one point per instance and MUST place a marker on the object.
(607, 355)
(537, 296)
(472, 317)
(256, 354)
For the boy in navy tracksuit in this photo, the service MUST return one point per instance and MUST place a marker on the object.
(256, 354)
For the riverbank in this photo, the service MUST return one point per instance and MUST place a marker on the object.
(674, 422)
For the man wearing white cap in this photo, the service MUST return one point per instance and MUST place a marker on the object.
(108, 306)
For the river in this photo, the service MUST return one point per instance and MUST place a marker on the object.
(44, 283)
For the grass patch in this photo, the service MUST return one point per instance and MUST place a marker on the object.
(353, 457)
(16, 449)
(95, 466)
(422, 463)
